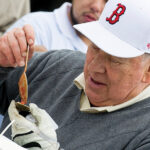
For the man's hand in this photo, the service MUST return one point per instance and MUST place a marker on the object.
(13, 46)
(38, 134)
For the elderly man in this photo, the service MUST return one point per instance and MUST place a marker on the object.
(54, 30)
(108, 107)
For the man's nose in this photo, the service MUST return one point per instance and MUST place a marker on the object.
(97, 6)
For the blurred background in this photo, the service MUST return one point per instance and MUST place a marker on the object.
(46, 5)
(35, 5)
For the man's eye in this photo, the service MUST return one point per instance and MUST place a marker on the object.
(115, 61)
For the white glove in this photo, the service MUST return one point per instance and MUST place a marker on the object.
(33, 135)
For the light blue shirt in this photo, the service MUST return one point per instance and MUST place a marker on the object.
(53, 29)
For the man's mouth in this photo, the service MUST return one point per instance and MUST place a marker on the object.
(89, 18)
(96, 84)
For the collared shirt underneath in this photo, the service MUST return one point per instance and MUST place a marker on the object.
(85, 104)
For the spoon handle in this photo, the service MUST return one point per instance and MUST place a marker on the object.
(26, 62)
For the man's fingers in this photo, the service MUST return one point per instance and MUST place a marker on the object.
(13, 46)
(7, 56)
(29, 33)
(30, 38)
(20, 36)
(15, 49)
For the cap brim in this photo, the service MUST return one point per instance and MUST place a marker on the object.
(107, 41)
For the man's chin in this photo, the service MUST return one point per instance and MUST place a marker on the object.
(95, 99)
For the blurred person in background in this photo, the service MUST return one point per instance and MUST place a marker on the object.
(54, 29)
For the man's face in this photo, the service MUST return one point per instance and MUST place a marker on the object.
(87, 10)
(112, 80)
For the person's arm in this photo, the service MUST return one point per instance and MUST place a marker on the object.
(12, 54)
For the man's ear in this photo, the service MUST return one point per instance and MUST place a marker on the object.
(146, 77)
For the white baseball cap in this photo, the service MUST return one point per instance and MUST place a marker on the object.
(123, 29)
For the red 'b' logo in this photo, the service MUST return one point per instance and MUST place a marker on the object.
(148, 45)
(116, 14)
